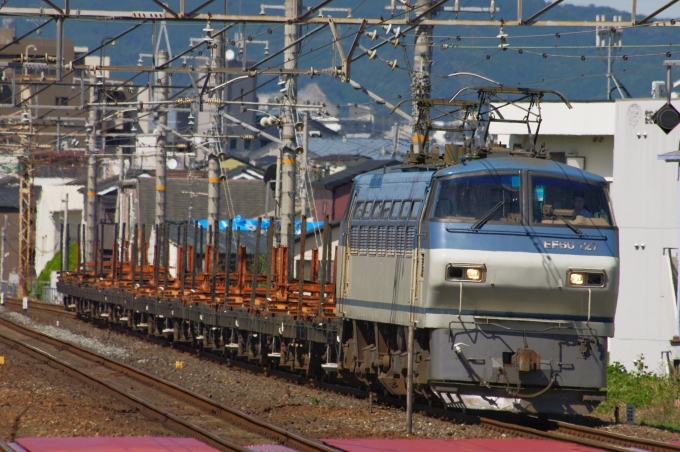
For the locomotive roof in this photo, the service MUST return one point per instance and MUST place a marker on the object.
(519, 163)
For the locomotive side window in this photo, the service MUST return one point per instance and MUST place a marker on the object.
(416, 209)
(406, 210)
(359, 209)
(387, 207)
(492, 197)
(396, 208)
(556, 199)
(368, 209)
(377, 209)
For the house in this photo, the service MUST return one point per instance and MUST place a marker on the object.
(580, 136)
(9, 219)
(49, 217)
(331, 193)
(237, 168)
(187, 198)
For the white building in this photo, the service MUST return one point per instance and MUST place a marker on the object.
(619, 141)
(582, 135)
(49, 213)
(645, 197)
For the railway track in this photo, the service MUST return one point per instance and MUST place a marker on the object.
(522, 427)
(40, 306)
(213, 423)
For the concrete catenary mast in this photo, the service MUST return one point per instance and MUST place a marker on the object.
(288, 126)
(420, 80)
(161, 95)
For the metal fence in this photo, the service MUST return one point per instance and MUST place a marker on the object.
(9, 289)
(40, 290)
(50, 295)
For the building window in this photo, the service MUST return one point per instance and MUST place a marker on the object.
(61, 101)
(232, 143)
(558, 157)
(246, 144)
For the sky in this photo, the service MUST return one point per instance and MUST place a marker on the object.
(643, 6)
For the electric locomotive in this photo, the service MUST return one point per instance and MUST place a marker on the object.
(506, 265)
(512, 291)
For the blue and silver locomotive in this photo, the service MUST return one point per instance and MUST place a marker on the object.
(506, 266)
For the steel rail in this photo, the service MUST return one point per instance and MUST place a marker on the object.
(244, 420)
(594, 438)
(556, 430)
(616, 438)
(40, 306)
(174, 422)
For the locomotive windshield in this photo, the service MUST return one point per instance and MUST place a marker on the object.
(555, 199)
(475, 197)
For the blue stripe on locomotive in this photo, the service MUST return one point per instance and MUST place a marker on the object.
(525, 239)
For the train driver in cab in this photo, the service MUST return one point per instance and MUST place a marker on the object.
(579, 205)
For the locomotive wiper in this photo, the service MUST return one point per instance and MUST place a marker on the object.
(567, 222)
(487, 216)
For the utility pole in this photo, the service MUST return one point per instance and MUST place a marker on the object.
(91, 208)
(305, 144)
(121, 177)
(611, 37)
(26, 242)
(64, 245)
(292, 8)
(420, 89)
(60, 46)
(91, 127)
(26, 209)
(161, 95)
(91, 190)
(395, 141)
(2, 249)
(213, 189)
(218, 62)
(420, 82)
(58, 135)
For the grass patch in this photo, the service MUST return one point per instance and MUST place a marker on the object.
(54, 265)
(653, 395)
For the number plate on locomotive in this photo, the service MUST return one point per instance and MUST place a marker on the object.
(559, 244)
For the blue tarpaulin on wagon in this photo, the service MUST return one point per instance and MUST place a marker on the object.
(250, 224)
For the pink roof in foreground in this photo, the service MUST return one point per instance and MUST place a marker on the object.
(114, 444)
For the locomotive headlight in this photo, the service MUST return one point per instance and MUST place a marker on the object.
(587, 278)
(473, 274)
(576, 279)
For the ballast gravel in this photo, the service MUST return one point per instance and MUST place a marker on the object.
(301, 409)
(37, 400)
